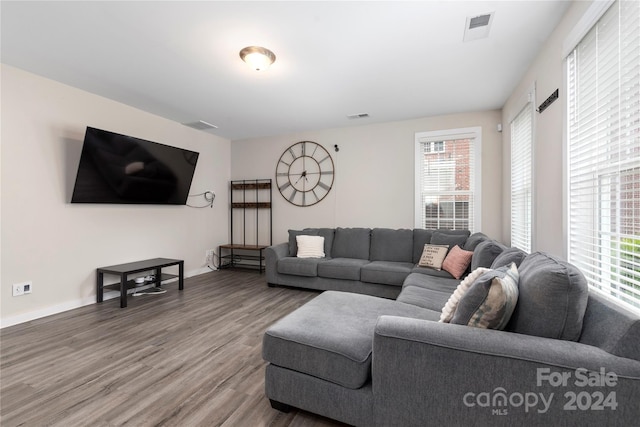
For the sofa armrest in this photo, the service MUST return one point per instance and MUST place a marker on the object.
(272, 254)
(427, 372)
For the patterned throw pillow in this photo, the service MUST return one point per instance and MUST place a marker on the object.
(457, 261)
(451, 305)
(490, 301)
(310, 246)
(433, 256)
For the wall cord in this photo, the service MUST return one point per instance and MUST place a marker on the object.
(209, 197)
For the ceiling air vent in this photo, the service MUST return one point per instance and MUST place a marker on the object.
(201, 125)
(477, 27)
(357, 116)
(479, 21)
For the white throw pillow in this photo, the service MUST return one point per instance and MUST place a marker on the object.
(450, 307)
(433, 256)
(310, 246)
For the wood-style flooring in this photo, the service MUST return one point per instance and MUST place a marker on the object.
(190, 358)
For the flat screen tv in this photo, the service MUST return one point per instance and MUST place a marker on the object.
(116, 168)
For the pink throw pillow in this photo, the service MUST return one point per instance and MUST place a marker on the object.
(457, 261)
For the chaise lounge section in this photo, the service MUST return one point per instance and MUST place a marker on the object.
(567, 356)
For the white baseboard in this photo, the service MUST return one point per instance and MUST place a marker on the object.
(70, 305)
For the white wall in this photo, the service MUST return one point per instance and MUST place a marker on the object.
(546, 72)
(374, 182)
(58, 245)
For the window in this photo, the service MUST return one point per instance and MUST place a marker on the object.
(434, 147)
(521, 177)
(603, 153)
(447, 188)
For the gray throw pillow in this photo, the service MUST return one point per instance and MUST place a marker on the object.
(553, 298)
(490, 300)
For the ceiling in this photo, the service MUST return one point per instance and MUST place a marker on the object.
(177, 59)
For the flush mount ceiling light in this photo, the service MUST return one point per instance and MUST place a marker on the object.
(258, 58)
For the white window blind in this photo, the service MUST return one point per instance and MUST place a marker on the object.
(521, 178)
(603, 153)
(445, 180)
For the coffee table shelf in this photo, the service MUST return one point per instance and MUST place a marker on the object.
(124, 270)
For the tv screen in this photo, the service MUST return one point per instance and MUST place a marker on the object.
(116, 168)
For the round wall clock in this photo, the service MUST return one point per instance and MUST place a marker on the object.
(304, 173)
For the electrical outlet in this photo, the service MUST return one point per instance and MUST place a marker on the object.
(22, 288)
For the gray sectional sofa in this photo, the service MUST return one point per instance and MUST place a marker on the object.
(568, 356)
(376, 261)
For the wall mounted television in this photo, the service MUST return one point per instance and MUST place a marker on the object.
(117, 168)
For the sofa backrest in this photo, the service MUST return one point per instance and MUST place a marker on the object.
(327, 233)
(508, 256)
(391, 245)
(552, 299)
(610, 327)
(351, 243)
(485, 253)
(423, 237)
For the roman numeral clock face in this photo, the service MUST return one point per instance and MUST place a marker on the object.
(305, 173)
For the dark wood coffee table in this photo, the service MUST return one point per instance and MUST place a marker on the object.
(123, 270)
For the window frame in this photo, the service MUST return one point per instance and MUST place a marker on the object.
(473, 133)
(528, 100)
(584, 26)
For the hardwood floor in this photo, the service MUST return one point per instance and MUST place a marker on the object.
(190, 358)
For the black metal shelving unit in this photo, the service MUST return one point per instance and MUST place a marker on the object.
(249, 198)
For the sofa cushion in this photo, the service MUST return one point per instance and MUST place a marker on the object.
(391, 245)
(427, 291)
(310, 246)
(341, 268)
(553, 298)
(474, 240)
(490, 300)
(457, 261)
(331, 336)
(293, 243)
(299, 266)
(485, 253)
(510, 255)
(451, 240)
(424, 298)
(385, 272)
(432, 272)
(452, 303)
(422, 237)
(611, 327)
(433, 256)
(328, 234)
(351, 243)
